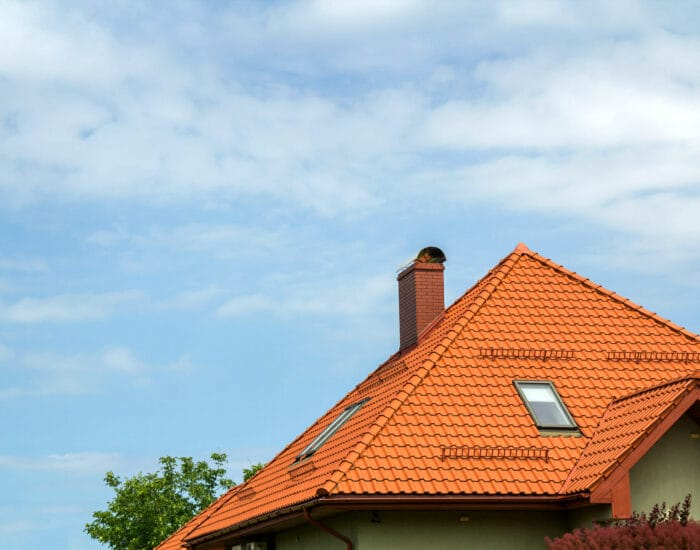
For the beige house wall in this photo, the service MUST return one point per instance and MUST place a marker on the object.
(580, 518)
(422, 530)
(670, 470)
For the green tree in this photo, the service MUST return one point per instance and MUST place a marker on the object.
(148, 508)
(250, 472)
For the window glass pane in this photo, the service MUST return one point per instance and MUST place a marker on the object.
(544, 405)
(537, 392)
(549, 414)
(328, 432)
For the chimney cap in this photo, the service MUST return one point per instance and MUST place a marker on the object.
(431, 255)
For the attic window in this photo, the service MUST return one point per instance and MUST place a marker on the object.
(333, 427)
(545, 406)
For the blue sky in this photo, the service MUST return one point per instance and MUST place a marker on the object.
(203, 206)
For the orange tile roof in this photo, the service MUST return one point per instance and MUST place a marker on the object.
(444, 417)
(625, 423)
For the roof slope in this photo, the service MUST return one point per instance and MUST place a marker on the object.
(445, 417)
(625, 423)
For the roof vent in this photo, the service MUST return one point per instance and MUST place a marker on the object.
(421, 294)
(431, 255)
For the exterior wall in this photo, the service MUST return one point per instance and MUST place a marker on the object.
(507, 530)
(307, 537)
(580, 518)
(670, 470)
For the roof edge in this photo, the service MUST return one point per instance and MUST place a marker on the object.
(641, 445)
(394, 501)
(254, 523)
(192, 525)
(645, 442)
(610, 294)
(498, 272)
(379, 502)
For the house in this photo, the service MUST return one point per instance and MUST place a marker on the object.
(536, 403)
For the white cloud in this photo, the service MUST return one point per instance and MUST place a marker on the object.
(619, 95)
(223, 240)
(245, 305)
(66, 307)
(19, 526)
(655, 200)
(83, 462)
(188, 299)
(45, 41)
(339, 298)
(361, 13)
(84, 373)
(5, 353)
(88, 463)
(604, 97)
(72, 308)
(27, 265)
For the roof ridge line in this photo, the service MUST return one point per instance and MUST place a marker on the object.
(519, 251)
(613, 295)
(502, 269)
(688, 378)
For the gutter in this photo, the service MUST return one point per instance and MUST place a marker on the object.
(329, 530)
(379, 502)
(543, 502)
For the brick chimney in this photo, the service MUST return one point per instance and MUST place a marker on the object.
(421, 294)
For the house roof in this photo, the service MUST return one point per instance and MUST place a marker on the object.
(444, 417)
(625, 424)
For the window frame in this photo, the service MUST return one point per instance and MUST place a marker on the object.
(330, 430)
(571, 426)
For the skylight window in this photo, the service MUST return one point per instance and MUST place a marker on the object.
(545, 406)
(333, 427)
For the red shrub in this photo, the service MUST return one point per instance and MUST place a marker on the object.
(662, 529)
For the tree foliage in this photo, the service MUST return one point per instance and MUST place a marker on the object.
(250, 472)
(662, 528)
(147, 508)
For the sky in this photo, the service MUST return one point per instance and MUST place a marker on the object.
(204, 206)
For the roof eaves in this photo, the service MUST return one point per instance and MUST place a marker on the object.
(455, 501)
(403, 501)
(252, 524)
(192, 525)
(498, 273)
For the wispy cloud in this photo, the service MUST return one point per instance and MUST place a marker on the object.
(66, 307)
(329, 298)
(23, 264)
(592, 122)
(222, 240)
(74, 308)
(82, 462)
(245, 305)
(84, 373)
(5, 353)
(19, 526)
(188, 300)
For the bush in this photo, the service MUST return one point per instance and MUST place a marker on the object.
(664, 528)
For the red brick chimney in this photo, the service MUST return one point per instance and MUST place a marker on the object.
(421, 294)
